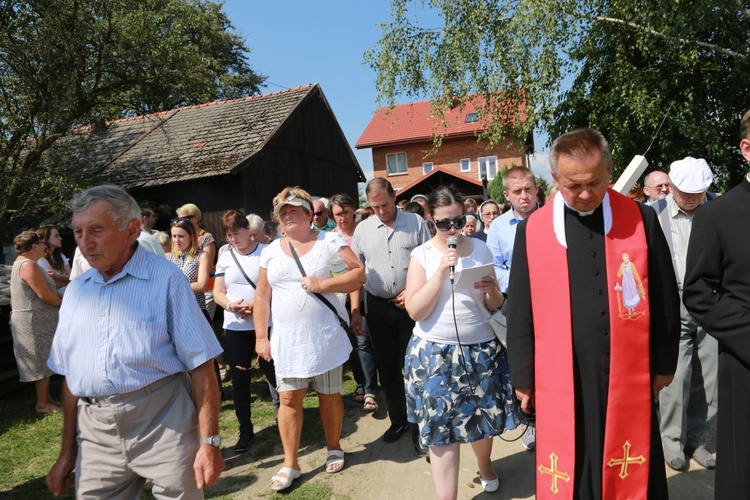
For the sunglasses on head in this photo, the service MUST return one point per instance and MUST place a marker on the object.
(446, 224)
(178, 220)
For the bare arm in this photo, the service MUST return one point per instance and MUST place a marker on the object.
(204, 273)
(244, 309)
(346, 282)
(354, 301)
(493, 299)
(261, 312)
(208, 463)
(31, 273)
(61, 476)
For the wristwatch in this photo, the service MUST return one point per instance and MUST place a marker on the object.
(214, 440)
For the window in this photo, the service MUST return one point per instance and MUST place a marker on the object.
(487, 167)
(472, 118)
(465, 165)
(396, 163)
(426, 168)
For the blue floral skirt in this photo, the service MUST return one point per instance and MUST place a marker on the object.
(458, 399)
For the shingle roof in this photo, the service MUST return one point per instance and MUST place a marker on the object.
(415, 122)
(192, 142)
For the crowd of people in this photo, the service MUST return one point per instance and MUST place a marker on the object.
(625, 332)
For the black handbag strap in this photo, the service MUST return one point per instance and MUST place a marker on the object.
(319, 296)
(236, 261)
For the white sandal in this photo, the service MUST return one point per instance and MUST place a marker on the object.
(335, 457)
(492, 485)
(286, 482)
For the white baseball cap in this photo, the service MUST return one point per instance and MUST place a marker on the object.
(691, 175)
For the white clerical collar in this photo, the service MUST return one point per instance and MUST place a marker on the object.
(558, 216)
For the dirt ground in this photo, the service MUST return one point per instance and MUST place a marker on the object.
(378, 470)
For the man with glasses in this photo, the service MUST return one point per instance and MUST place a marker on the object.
(383, 242)
(520, 189)
(655, 186)
(686, 406)
(320, 219)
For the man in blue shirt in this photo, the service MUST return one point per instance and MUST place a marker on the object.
(520, 189)
(140, 398)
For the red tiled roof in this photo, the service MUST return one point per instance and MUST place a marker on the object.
(416, 122)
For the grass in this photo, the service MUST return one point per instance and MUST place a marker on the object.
(31, 443)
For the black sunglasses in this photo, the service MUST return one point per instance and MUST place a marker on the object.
(318, 214)
(446, 224)
(179, 220)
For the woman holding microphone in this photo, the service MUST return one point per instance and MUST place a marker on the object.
(456, 371)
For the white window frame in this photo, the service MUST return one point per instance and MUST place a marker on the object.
(461, 166)
(482, 163)
(406, 164)
(425, 166)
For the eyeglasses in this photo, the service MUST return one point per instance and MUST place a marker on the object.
(181, 220)
(493, 213)
(319, 213)
(446, 224)
(659, 186)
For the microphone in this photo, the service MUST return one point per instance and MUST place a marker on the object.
(452, 242)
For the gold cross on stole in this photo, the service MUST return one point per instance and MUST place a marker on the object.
(552, 471)
(626, 460)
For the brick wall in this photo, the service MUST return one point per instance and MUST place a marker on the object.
(448, 157)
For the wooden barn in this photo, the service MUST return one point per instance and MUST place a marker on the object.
(229, 154)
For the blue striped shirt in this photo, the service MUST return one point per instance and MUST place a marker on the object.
(117, 336)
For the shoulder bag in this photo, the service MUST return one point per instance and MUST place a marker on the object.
(349, 333)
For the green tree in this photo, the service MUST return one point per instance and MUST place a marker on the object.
(630, 60)
(69, 63)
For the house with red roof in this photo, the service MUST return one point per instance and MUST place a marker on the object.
(403, 148)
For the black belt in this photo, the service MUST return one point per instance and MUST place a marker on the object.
(381, 299)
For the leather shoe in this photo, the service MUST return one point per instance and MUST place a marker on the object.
(394, 432)
(246, 439)
(675, 459)
(421, 449)
(704, 457)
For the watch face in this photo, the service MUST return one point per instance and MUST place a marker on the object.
(214, 440)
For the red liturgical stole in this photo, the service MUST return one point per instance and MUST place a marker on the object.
(628, 426)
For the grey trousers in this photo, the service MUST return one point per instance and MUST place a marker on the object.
(151, 433)
(690, 401)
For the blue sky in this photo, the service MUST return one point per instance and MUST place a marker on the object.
(299, 42)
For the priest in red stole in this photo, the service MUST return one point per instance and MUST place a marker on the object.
(593, 331)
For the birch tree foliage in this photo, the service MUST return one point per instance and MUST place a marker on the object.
(629, 60)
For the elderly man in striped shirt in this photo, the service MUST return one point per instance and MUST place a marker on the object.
(140, 398)
(686, 406)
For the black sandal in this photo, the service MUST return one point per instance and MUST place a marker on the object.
(359, 394)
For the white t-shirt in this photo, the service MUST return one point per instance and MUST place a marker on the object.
(45, 265)
(80, 264)
(307, 339)
(237, 286)
(473, 326)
